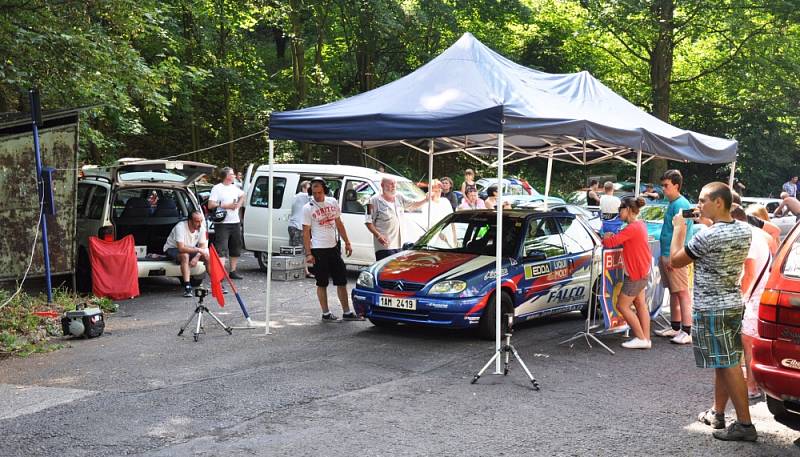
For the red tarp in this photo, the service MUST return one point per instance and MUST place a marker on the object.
(114, 270)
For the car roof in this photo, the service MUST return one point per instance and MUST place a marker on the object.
(327, 170)
(760, 199)
(521, 213)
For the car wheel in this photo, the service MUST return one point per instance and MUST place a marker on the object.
(595, 298)
(486, 326)
(262, 260)
(382, 323)
(83, 272)
(777, 409)
(197, 280)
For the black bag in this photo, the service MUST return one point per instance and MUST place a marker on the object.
(219, 214)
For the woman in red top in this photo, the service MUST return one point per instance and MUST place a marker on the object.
(637, 257)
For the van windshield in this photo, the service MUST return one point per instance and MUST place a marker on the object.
(408, 189)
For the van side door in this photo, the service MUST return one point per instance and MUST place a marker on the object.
(257, 211)
(355, 196)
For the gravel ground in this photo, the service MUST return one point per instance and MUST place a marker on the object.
(350, 388)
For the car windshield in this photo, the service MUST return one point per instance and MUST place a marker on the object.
(472, 234)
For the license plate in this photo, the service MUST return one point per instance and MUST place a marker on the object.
(398, 302)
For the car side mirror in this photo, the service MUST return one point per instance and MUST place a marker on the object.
(407, 246)
(536, 255)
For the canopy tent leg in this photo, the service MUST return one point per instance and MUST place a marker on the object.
(547, 180)
(498, 265)
(733, 172)
(638, 171)
(269, 232)
(430, 179)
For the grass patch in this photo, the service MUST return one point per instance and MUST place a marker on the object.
(23, 333)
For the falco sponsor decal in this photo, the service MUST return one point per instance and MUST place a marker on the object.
(791, 363)
(536, 270)
(567, 294)
(492, 274)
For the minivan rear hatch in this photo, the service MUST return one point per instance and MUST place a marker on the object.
(179, 172)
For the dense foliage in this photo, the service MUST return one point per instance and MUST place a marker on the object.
(171, 76)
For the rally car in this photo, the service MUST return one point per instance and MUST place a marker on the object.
(551, 264)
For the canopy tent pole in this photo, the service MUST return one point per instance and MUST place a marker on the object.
(498, 265)
(733, 171)
(547, 180)
(269, 232)
(638, 171)
(430, 180)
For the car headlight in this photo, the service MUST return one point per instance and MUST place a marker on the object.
(448, 287)
(365, 280)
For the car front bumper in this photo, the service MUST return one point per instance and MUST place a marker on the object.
(446, 312)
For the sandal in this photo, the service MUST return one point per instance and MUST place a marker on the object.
(754, 395)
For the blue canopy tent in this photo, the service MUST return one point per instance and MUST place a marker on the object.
(472, 100)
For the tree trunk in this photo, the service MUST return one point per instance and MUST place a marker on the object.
(298, 53)
(661, 72)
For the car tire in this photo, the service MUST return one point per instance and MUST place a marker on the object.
(262, 260)
(486, 326)
(382, 323)
(777, 409)
(83, 272)
(595, 298)
(196, 281)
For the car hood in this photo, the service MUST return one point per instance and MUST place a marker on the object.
(423, 266)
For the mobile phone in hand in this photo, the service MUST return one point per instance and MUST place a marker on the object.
(689, 213)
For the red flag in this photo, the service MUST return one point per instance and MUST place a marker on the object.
(216, 272)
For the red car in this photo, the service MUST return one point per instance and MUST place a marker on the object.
(776, 350)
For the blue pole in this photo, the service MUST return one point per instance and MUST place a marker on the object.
(40, 186)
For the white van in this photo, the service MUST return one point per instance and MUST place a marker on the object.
(351, 186)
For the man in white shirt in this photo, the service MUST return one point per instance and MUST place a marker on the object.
(228, 233)
(296, 218)
(385, 218)
(321, 221)
(187, 244)
(609, 203)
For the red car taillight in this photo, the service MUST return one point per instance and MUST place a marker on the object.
(777, 309)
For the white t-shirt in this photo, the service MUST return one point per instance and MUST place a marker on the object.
(439, 209)
(224, 195)
(386, 216)
(759, 251)
(321, 217)
(181, 234)
(609, 204)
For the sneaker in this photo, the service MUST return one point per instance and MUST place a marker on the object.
(709, 417)
(737, 432)
(330, 317)
(187, 291)
(351, 316)
(668, 332)
(636, 343)
(234, 275)
(681, 338)
(222, 286)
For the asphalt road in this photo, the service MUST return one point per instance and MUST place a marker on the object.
(348, 389)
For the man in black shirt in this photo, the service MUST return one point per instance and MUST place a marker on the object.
(447, 192)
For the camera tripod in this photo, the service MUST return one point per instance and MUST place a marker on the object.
(198, 313)
(506, 351)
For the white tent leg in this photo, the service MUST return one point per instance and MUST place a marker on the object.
(733, 171)
(547, 180)
(269, 233)
(430, 179)
(498, 266)
(638, 171)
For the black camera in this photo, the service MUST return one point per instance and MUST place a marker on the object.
(690, 213)
(200, 292)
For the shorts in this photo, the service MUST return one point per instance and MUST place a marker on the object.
(296, 237)
(632, 288)
(717, 337)
(172, 254)
(384, 253)
(676, 280)
(328, 263)
(228, 239)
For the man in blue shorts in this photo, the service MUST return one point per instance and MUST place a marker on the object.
(718, 253)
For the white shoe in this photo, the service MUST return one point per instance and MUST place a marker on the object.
(636, 343)
(681, 338)
(668, 332)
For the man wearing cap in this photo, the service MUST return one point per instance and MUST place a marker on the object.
(322, 227)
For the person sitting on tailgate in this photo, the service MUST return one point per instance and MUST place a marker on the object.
(186, 245)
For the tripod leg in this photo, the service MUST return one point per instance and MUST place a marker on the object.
(506, 358)
(188, 321)
(199, 322)
(222, 324)
(485, 367)
(525, 367)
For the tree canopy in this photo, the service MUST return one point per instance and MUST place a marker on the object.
(167, 77)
